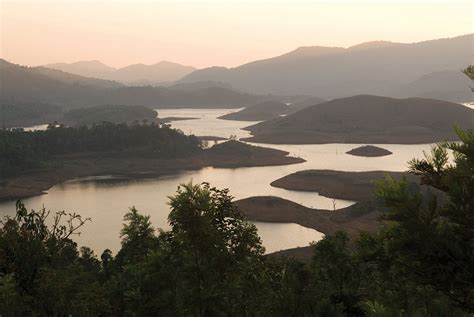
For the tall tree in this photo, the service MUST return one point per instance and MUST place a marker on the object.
(430, 234)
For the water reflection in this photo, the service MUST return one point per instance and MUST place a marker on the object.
(106, 199)
(281, 236)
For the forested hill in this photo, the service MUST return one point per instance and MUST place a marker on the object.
(21, 151)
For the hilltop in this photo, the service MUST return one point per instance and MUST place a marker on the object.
(136, 74)
(367, 119)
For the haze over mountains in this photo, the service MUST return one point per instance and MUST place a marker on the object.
(40, 84)
(429, 69)
(136, 74)
(382, 68)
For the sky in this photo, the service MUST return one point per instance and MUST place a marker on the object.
(213, 32)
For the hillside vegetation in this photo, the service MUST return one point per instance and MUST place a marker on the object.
(211, 261)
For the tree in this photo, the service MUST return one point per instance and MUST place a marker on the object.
(469, 72)
(217, 250)
(42, 270)
(336, 276)
(138, 238)
(430, 233)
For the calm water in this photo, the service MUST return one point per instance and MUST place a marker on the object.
(106, 200)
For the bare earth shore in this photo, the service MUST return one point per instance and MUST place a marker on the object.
(356, 186)
(353, 219)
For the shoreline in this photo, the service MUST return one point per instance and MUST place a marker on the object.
(355, 186)
(360, 217)
(311, 138)
(228, 155)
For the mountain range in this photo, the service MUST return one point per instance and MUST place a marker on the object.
(429, 69)
(39, 84)
(381, 68)
(136, 74)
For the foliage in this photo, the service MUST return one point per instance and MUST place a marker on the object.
(430, 237)
(41, 271)
(20, 150)
(15, 113)
(109, 113)
(469, 72)
(211, 262)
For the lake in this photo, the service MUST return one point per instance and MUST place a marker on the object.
(107, 199)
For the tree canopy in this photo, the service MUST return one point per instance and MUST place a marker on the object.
(211, 262)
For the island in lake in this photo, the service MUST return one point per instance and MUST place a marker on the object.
(356, 186)
(369, 151)
(367, 119)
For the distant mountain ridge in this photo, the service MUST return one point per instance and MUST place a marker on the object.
(136, 74)
(94, 68)
(377, 67)
(39, 84)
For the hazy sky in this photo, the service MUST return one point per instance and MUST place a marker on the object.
(213, 32)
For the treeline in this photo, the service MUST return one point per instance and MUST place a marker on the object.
(109, 113)
(211, 262)
(20, 150)
(14, 113)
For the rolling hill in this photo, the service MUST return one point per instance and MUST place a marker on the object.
(367, 119)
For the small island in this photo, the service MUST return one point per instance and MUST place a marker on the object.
(355, 186)
(369, 151)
